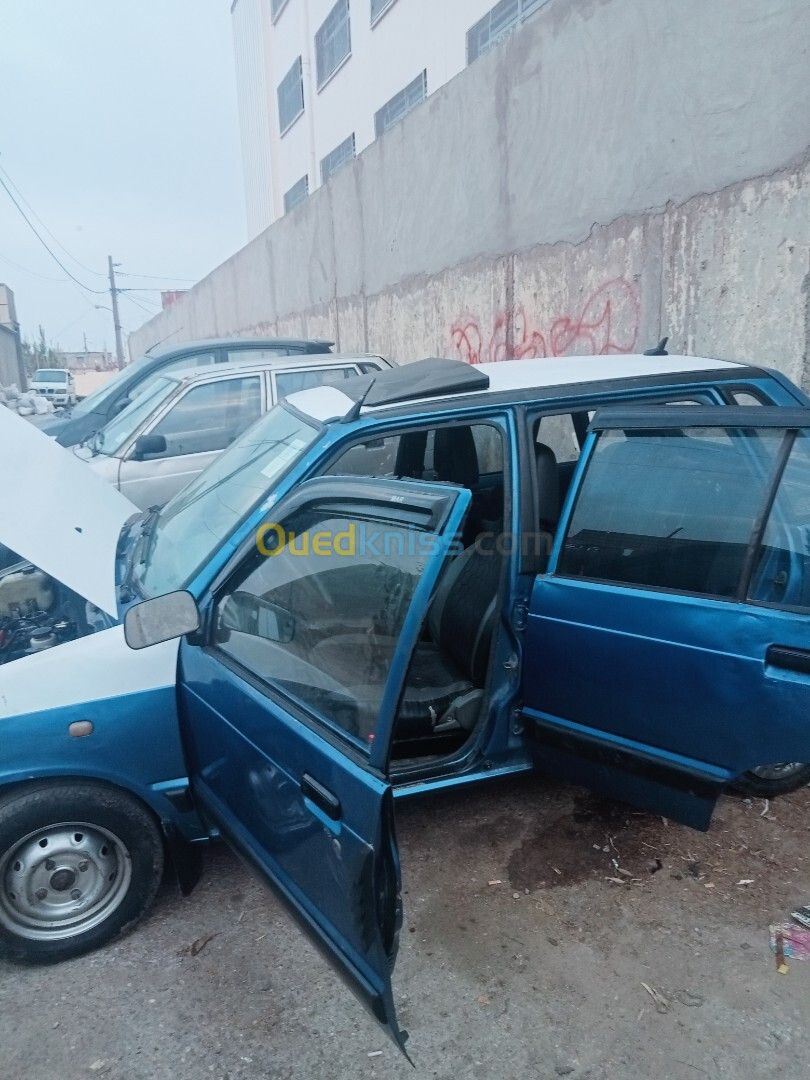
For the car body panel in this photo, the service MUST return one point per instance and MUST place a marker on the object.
(256, 769)
(658, 696)
(58, 515)
(131, 698)
(131, 703)
(154, 480)
(103, 404)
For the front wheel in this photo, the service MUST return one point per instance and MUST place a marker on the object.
(768, 781)
(79, 865)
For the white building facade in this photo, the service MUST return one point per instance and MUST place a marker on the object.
(319, 80)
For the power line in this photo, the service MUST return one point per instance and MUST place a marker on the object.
(69, 326)
(155, 277)
(56, 240)
(137, 304)
(56, 259)
(33, 273)
(96, 273)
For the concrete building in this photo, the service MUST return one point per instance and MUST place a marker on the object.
(89, 360)
(319, 80)
(615, 171)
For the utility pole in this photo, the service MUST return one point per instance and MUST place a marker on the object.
(119, 343)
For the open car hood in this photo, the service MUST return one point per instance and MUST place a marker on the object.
(57, 513)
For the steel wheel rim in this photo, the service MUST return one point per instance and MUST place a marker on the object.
(780, 771)
(62, 880)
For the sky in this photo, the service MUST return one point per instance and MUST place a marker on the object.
(119, 131)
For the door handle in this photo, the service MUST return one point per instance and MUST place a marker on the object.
(322, 797)
(783, 656)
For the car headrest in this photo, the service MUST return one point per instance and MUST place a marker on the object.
(455, 458)
(548, 486)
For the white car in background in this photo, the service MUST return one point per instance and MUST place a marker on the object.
(176, 427)
(55, 384)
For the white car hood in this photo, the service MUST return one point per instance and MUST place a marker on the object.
(59, 514)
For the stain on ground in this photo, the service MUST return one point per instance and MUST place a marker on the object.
(595, 838)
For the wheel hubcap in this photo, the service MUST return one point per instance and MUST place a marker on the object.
(779, 771)
(63, 880)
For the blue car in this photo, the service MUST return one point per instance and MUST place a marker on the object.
(437, 575)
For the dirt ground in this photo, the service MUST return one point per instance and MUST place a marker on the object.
(535, 915)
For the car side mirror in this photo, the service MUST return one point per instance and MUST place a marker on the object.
(146, 445)
(161, 619)
(121, 405)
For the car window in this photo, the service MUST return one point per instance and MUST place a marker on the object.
(193, 360)
(289, 382)
(209, 417)
(669, 510)
(558, 433)
(249, 356)
(50, 375)
(374, 457)
(115, 435)
(743, 397)
(183, 363)
(319, 610)
(782, 574)
(489, 448)
(467, 452)
(190, 528)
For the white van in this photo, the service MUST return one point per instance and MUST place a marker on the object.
(55, 384)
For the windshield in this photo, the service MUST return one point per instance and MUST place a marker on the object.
(50, 375)
(115, 434)
(205, 514)
(110, 388)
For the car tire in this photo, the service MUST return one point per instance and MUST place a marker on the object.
(79, 865)
(768, 781)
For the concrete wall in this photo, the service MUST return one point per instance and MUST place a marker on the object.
(9, 366)
(8, 358)
(615, 170)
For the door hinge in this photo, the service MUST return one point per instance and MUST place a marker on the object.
(517, 724)
(520, 615)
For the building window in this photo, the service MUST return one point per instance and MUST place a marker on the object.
(297, 193)
(401, 104)
(378, 8)
(333, 41)
(290, 97)
(497, 23)
(337, 158)
(276, 8)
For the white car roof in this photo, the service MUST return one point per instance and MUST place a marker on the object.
(560, 370)
(325, 402)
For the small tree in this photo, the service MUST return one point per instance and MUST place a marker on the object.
(38, 354)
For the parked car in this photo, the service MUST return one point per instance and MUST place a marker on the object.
(176, 428)
(81, 421)
(55, 384)
(594, 566)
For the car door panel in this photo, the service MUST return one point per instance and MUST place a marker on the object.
(657, 695)
(308, 856)
(307, 806)
(197, 426)
(154, 482)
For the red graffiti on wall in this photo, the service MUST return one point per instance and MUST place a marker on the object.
(607, 323)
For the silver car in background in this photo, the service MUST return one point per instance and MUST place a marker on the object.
(176, 427)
